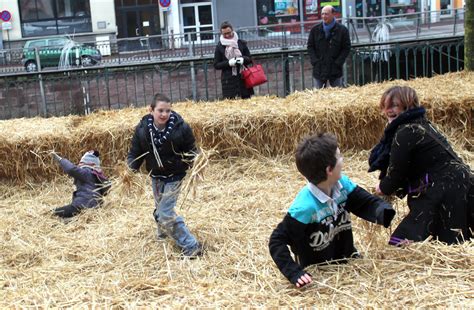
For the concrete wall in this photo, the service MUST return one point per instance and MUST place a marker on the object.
(240, 13)
(103, 11)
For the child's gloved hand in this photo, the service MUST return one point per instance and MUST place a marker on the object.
(55, 156)
(232, 62)
(239, 60)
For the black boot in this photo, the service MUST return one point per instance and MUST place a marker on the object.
(67, 211)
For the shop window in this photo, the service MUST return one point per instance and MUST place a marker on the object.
(374, 9)
(277, 11)
(311, 7)
(51, 17)
(396, 7)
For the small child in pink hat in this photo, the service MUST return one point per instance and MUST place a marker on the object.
(90, 181)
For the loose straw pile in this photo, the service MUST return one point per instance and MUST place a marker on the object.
(110, 257)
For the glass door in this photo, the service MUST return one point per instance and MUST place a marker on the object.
(197, 20)
(140, 22)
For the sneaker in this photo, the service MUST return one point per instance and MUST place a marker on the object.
(194, 252)
(161, 236)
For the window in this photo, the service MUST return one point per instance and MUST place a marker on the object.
(286, 7)
(50, 17)
(277, 11)
(72, 8)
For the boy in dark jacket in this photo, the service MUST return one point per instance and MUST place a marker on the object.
(89, 179)
(166, 143)
(317, 226)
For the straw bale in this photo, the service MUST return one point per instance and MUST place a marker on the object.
(109, 257)
(261, 126)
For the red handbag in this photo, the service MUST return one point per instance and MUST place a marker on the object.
(253, 76)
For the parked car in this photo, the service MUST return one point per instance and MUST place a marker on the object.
(57, 52)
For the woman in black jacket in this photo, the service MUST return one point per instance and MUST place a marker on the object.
(166, 143)
(416, 160)
(230, 56)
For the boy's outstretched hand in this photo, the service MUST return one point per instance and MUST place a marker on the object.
(303, 280)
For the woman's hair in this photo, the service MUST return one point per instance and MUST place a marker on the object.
(314, 154)
(157, 98)
(407, 96)
(226, 24)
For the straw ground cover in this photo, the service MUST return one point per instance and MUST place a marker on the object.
(110, 257)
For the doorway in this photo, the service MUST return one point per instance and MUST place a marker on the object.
(139, 22)
(197, 19)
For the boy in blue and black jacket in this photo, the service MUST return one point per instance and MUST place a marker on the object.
(317, 226)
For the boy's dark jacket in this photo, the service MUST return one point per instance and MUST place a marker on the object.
(326, 239)
(176, 153)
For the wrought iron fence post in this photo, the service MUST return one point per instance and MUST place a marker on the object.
(397, 60)
(418, 25)
(44, 110)
(193, 71)
(286, 75)
(455, 21)
(285, 40)
(148, 48)
(38, 61)
(107, 86)
(85, 97)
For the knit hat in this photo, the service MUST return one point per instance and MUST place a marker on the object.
(91, 159)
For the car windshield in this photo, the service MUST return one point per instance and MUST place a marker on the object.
(36, 44)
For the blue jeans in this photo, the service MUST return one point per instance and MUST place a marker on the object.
(166, 195)
(324, 84)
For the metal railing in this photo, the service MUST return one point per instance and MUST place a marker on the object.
(80, 91)
(261, 39)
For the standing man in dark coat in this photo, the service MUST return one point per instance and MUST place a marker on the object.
(329, 45)
(230, 56)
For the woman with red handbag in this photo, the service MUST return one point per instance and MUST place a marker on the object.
(230, 56)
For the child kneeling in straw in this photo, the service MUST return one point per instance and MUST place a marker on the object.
(90, 181)
(317, 226)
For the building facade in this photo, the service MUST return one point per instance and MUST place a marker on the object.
(89, 20)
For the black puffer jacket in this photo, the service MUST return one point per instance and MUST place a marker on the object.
(232, 85)
(176, 154)
(328, 55)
